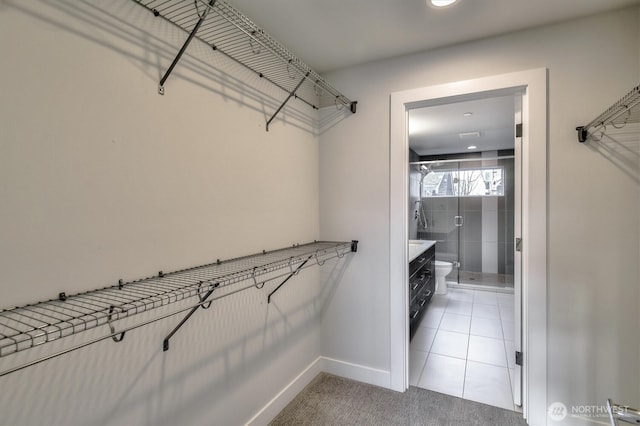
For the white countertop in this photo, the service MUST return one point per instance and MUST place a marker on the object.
(417, 247)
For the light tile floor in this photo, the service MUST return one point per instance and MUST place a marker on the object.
(461, 347)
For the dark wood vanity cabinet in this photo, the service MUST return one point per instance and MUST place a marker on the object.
(422, 285)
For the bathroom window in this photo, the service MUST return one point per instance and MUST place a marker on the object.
(484, 182)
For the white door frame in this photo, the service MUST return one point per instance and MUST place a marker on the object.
(534, 226)
(516, 380)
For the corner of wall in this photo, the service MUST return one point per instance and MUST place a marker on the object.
(287, 394)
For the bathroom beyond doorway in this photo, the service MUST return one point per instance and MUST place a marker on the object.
(533, 84)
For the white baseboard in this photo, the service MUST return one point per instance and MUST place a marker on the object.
(286, 395)
(361, 373)
(344, 369)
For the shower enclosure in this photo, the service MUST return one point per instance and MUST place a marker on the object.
(467, 206)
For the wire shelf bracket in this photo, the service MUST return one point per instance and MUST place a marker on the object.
(287, 279)
(626, 110)
(32, 325)
(184, 46)
(165, 342)
(285, 101)
(229, 32)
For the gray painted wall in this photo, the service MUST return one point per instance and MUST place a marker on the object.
(592, 306)
(101, 178)
(91, 156)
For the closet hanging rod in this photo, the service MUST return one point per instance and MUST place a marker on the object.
(461, 160)
(35, 324)
(626, 110)
(228, 31)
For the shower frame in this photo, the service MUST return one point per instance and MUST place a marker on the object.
(458, 219)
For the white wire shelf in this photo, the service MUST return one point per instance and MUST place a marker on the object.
(623, 112)
(228, 31)
(25, 327)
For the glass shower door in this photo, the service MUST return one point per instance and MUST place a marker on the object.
(469, 212)
(442, 207)
(485, 220)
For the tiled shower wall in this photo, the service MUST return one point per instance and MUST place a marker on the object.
(487, 235)
(414, 195)
(506, 213)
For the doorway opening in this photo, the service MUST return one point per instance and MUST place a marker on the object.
(531, 302)
(463, 189)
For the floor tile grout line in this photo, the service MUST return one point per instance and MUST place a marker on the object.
(466, 363)
(423, 367)
(468, 334)
(504, 345)
(504, 341)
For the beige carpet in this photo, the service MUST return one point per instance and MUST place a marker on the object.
(332, 400)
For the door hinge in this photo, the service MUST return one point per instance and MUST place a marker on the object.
(519, 130)
(518, 244)
(519, 358)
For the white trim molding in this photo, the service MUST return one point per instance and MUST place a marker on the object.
(533, 85)
(361, 373)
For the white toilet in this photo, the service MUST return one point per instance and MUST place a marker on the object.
(442, 270)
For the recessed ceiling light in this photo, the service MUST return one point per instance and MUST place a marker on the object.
(468, 114)
(471, 147)
(442, 3)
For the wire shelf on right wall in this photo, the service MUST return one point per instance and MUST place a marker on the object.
(623, 112)
(616, 134)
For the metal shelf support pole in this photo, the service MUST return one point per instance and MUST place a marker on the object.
(165, 342)
(287, 279)
(184, 47)
(293, 92)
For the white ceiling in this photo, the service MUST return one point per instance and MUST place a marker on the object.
(333, 34)
(436, 129)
